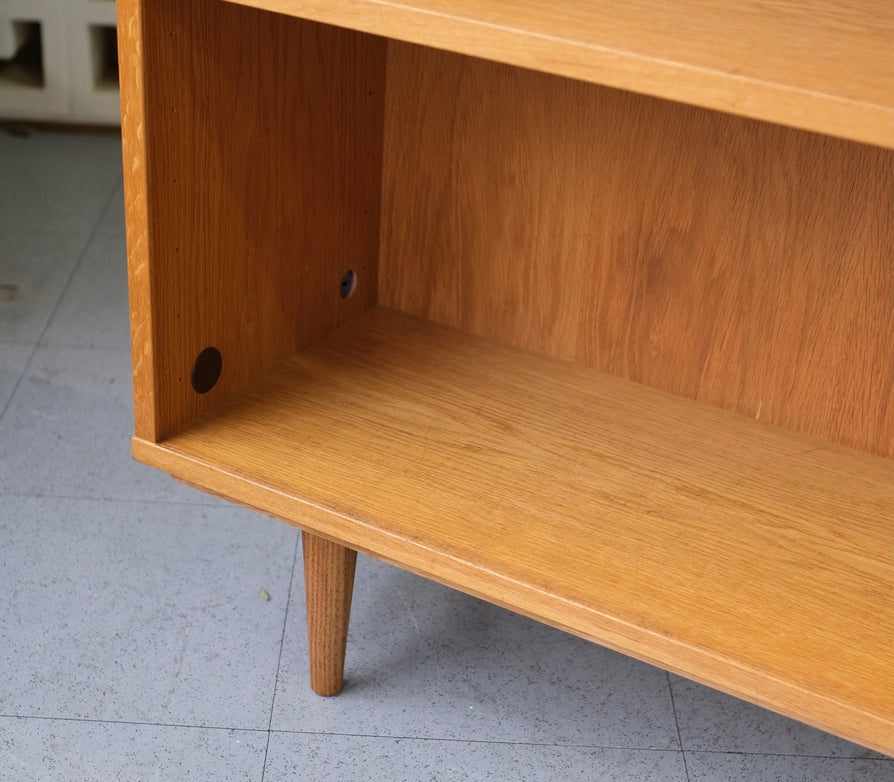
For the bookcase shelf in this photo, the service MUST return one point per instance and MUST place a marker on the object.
(584, 310)
(686, 536)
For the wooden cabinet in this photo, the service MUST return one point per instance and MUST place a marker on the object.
(582, 308)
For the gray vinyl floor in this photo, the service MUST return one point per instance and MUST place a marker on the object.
(136, 638)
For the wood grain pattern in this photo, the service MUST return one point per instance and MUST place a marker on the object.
(815, 64)
(739, 263)
(136, 189)
(747, 557)
(257, 189)
(329, 584)
(734, 262)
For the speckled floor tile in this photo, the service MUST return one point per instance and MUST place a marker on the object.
(359, 759)
(425, 661)
(57, 181)
(38, 267)
(712, 720)
(94, 310)
(67, 430)
(720, 767)
(37, 750)
(13, 360)
(141, 612)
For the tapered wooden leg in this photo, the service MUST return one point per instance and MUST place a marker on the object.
(329, 583)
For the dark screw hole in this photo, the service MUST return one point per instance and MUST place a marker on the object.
(206, 370)
(347, 284)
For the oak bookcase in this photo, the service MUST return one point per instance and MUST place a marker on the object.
(583, 308)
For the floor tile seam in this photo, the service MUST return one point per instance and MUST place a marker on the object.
(60, 343)
(97, 229)
(282, 643)
(691, 751)
(18, 383)
(71, 233)
(670, 690)
(116, 500)
(80, 261)
(71, 346)
(337, 734)
(563, 745)
(134, 723)
(790, 755)
(453, 739)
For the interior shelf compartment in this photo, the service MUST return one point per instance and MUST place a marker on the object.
(814, 64)
(761, 564)
(616, 362)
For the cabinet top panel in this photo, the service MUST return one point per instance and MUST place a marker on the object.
(820, 65)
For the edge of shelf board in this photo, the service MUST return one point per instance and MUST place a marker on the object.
(811, 64)
(749, 558)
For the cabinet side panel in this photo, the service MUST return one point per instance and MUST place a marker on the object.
(739, 263)
(263, 139)
(130, 39)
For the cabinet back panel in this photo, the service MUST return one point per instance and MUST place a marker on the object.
(739, 263)
(258, 140)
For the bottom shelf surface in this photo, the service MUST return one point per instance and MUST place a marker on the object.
(747, 557)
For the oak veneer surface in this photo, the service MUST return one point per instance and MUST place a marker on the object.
(748, 557)
(329, 586)
(252, 151)
(743, 264)
(821, 65)
(751, 558)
